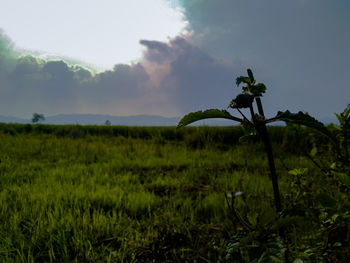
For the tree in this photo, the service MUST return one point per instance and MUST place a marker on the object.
(37, 117)
(108, 123)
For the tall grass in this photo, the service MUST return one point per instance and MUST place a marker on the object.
(121, 194)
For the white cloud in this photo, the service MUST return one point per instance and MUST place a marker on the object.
(104, 32)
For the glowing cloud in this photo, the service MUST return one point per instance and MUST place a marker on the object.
(103, 33)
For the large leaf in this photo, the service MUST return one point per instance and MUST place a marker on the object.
(258, 89)
(208, 114)
(242, 79)
(303, 119)
(243, 100)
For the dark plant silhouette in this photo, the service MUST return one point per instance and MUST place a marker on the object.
(251, 91)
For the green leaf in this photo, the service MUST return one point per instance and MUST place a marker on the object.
(208, 114)
(242, 79)
(346, 115)
(298, 171)
(345, 179)
(313, 151)
(258, 89)
(340, 118)
(243, 100)
(303, 119)
(250, 75)
(272, 252)
(298, 260)
(327, 201)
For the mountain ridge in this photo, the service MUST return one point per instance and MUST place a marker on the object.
(132, 120)
(100, 119)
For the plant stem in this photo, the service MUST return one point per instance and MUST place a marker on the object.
(274, 178)
(260, 107)
(262, 130)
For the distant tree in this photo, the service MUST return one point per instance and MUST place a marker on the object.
(37, 117)
(108, 123)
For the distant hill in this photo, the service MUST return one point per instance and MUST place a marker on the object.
(95, 119)
(9, 119)
(136, 120)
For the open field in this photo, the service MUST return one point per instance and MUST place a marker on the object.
(122, 194)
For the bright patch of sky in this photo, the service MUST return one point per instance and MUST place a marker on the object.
(98, 32)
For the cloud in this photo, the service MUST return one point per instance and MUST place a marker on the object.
(121, 83)
(192, 79)
(296, 47)
(171, 78)
(36, 85)
(7, 54)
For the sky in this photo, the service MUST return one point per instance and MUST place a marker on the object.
(170, 57)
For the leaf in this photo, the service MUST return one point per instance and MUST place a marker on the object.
(298, 171)
(258, 89)
(313, 151)
(346, 115)
(298, 260)
(274, 251)
(207, 114)
(340, 118)
(243, 100)
(250, 75)
(242, 79)
(327, 201)
(236, 242)
(345, 179)
(303, 119)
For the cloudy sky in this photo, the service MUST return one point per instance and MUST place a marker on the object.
(170, 57)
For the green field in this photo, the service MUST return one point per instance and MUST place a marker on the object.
(137, 194)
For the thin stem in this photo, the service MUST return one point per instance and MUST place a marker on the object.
(262, 130)
(244, 117)
(274, 178)
(235, 214)
(284, 165)
(324, 170)
(252, 114)
(260, 107)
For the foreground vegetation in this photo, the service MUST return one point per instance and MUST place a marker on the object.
(123, 194)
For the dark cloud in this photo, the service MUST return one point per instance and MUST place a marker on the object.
(30, 84)
(300, 49)
(36, 85)
(123, 82)
(296, 47)
(156, 51)
(194, 79)
(172, 78)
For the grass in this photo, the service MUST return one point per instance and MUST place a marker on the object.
(149, 195)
